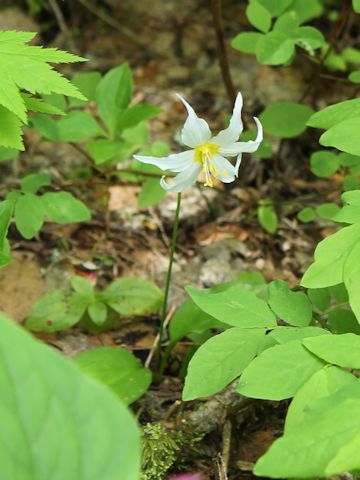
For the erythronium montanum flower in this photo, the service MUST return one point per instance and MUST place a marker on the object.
(207, 153)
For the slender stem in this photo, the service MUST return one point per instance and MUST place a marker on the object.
(169, 274)
(221, 49)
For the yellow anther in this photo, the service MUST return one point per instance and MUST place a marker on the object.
(225, 173)
(205, 152)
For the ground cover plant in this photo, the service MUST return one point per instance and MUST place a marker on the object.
(176, 303)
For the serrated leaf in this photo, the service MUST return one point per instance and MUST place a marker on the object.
(220, 360)
(330, 255)
(29, 215)
(39, 106)
(43, 393)
(118, 369)
(62, 207)
(279, 372)
(235, 306)
(10, 131)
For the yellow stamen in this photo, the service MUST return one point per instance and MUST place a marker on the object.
(204, 154)
(225, 173)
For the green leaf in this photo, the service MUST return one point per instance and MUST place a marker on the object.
(98, 312)
(235, 306)
(323, 383)
(350, 183)
(279, 372)
(341, 320)
(330, 255)
(258, 16)
(133, 296)
(26, 67)
(220, 360)
(31, 183)
(331, 422)
(350, 213)
(8, 153)
(62, 207)
(87, 83)
(327, 210)
(342, 350)
(351, 55)
(134, 115)
(56, 311)
(285, 119)
(309, 38)
(190, 319)
(29, 215)
(267, 216)
(352, 278)
(289, 334)
(307, 10)
(354, 76)
(356, 5)
(335, 114)
(105, 150)
(291, 307)
(350, 161)
(43, 394)
(113, 95)
(38, 105)
(246, 42)
(287, 23)
(324, 163)
(151, 193)
(82, 285)
(275, 7)
(306, 214)
(343, 136)
(320, 298)
(275, 48)
(6, 212)
(118, 369)
(74, 127)
(10, 131)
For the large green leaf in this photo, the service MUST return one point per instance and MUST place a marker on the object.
(343, 136)
(275, 7)
(220, 360)
(292, 307)
(279, 372)
(57, 423)
(322, 384)
(118, 369)
(334, 114)
(350, 212)
(288, 334)
(352, 278)
(258, 16)
(133, 296)
(134, 115)
(246, 42)
(330, 255)
(62, 207)
(275, 48)
(285, 119)
(326, 443)
(113, 95)
(10, 131)
(342, 350)
(235, 306)
(29, 215)
(356, 5)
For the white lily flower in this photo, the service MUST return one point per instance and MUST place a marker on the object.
(207, 153)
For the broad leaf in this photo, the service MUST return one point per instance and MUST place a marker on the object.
(151, 193)
(81, 430)
(335, 114)
(235, 306)
(62, 207)
(292, 307)
(288, 334)
(285, 119)
(352, 278)
(258, 16)
(279, 372)
(343, 136)
(342, 350)
(220, 360)
(118, 369)
(29, 215)
(31, 183)
(275, 48)
(324, 163)
(134, 115)
(10, 131)
(246, 42)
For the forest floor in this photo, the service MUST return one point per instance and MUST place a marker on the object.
(173, 49)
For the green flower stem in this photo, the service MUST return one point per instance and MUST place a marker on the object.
(168, 277)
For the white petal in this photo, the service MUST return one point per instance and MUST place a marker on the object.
(177, 162)
(225, 171)
(195, 131)
(233, 131)
(183, 180)
(244, 147)
(237, 164)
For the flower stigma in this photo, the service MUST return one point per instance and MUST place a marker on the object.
(204, 154)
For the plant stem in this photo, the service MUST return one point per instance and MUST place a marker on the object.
(221, 49)
(168, 278)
